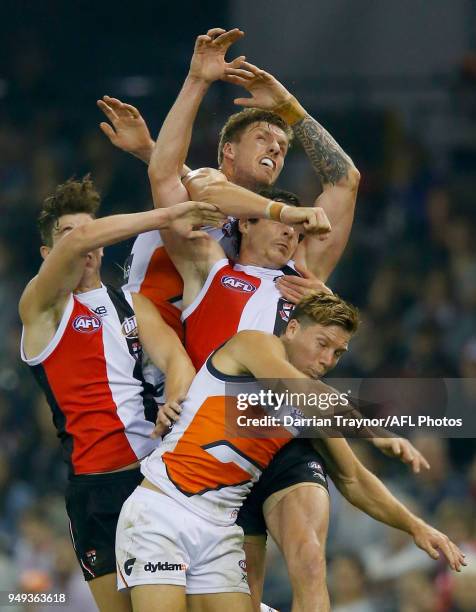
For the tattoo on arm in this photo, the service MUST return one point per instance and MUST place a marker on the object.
(328, 159)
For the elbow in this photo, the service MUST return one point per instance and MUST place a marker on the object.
(156, 173)
(201, 190)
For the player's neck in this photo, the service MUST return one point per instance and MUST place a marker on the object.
(89, 284)
(248, 258)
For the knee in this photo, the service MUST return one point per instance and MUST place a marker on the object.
(307, 562)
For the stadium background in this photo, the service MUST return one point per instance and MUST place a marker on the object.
(395, 83)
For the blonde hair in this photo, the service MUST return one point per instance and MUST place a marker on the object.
(327, 309)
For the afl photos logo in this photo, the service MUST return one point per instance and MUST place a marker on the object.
(237, 284)
(87, 324)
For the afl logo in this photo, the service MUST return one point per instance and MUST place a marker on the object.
(87, 324)
(237, 284)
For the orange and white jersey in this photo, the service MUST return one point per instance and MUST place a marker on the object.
(200, 463)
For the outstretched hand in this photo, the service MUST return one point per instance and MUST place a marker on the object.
(128, 130)
(295, 288)
(208, 61)
(266, 91)
(186, 217)
(433, 542)
(403, 449)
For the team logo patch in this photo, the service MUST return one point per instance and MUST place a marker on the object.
(129, 327)
(315, 466)
(91, 556)
(128, 565)
(285, 311)
(237, 284)
(87, 324)
(242, 564)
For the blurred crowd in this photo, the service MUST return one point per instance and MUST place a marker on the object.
(410, 266)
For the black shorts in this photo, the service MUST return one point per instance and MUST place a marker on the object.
(93, 504)
(295, 463)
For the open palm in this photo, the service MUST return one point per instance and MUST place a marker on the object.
(266, 91)
(208, 60)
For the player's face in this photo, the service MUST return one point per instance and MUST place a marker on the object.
(316, 349)
(258, 157)
(65, 225)
(269, 244)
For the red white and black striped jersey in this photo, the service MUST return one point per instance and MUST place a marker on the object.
(234, 297)
(91, 375)
(149, 270)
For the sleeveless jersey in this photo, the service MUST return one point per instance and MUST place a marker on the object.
(234, 297)
(200, 463)
(149, 270)
(91, 375)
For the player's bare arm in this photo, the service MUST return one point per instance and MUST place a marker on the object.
(210, 185)
(45, 297)
(207, 65)
(170, 151)
(167, 352)
(338, 175)
(365, 491)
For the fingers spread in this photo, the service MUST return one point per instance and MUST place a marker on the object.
(239, 72)
(107, 110)
(244, 101)
(214, 32)
(108, 130)
(252, 68)
(228, 38)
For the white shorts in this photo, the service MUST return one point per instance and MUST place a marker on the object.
(159, 541)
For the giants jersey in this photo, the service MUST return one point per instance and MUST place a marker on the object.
(91, 375)
(200, 463)
(234, 297)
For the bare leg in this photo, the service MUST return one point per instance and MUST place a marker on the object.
(158, 598)
(298, 523)
(106, 595)
(218, 602)
(255, 551)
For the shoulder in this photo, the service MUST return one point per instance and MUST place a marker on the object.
(256, 341)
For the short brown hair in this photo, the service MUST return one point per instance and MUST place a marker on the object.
(237, 123)
(68, 199)
(327, 309)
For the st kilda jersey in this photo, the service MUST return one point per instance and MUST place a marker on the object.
(149, 270)
(234, 297)
(205, 462)
(91, 375)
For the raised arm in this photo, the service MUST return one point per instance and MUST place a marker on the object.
(64, 264)
(365, 491)
(167, 353)
(170, 151)
(338, 175)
